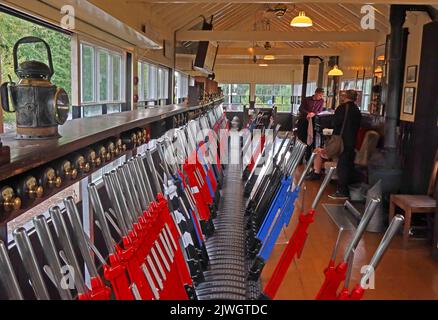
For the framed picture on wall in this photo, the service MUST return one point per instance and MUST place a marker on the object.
(409, 100)
(411, 76)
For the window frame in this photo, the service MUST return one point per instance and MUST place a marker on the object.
(157, 74)
(181, 86)
(272, 91)
(110, 54)
(228, 98)
(363, 107)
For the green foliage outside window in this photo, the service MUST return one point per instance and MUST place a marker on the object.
(11, 30)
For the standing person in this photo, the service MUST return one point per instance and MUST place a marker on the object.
(349, 113)
(310, 107)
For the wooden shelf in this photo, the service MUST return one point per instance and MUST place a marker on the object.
(81, 133)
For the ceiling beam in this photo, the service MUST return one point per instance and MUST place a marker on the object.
(238, 36)
(227, 51)
(246, 52)
(285, 62)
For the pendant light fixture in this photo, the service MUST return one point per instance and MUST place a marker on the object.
(269, 57)
(301, 21)
(335, 72)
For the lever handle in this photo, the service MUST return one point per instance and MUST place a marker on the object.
(369, 213)
(30, 40)
(390, 233)
(324, 185)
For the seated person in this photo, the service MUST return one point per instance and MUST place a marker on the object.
(345, 166)
(320, 158)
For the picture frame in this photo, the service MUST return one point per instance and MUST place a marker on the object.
(409, 100)
(411, 74)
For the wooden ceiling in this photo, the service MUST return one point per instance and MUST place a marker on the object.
(255, 16)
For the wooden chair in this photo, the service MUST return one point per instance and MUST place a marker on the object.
(411, 204)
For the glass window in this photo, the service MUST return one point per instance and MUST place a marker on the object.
(181, 86)
(153, 82)
(365, 87)
(268, 95)
(116, 78)
(103, 76)
(87, 73)
(236, 96)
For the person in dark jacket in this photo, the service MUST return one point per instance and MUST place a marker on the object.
(345, 166)
(310, 107)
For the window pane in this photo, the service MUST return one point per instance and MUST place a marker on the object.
(92, 111)
(103, 76)
(117, 61)
(145, 81)
(113, 108)
(87, 74)
(140, 82)
(153, 82)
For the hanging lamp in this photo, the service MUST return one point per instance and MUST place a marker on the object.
(269, 57)
(301, 21)
(335, 72)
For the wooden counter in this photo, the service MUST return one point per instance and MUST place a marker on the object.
(81, 133)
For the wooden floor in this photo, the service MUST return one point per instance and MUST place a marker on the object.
(403, 273)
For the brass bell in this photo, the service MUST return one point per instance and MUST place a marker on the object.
(10, 202)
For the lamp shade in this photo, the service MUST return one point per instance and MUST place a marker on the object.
(301, 21)
(335, 72)
(269, 57)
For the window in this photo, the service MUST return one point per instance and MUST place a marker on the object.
(236, 96)
(87, 74)
(365, 87)
(153, 83)
(297, 91)
(103, 79)
(279, 95)
(13, 28)
(181, 86)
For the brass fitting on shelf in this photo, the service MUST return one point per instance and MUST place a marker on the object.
(32, 189)
(112, 150)
(82, 164)
(9, 201)
(141, 137)
(51, 179)
(69, 171)
(104, 154)
(93, 159)
(134, 139)
(120, 147)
